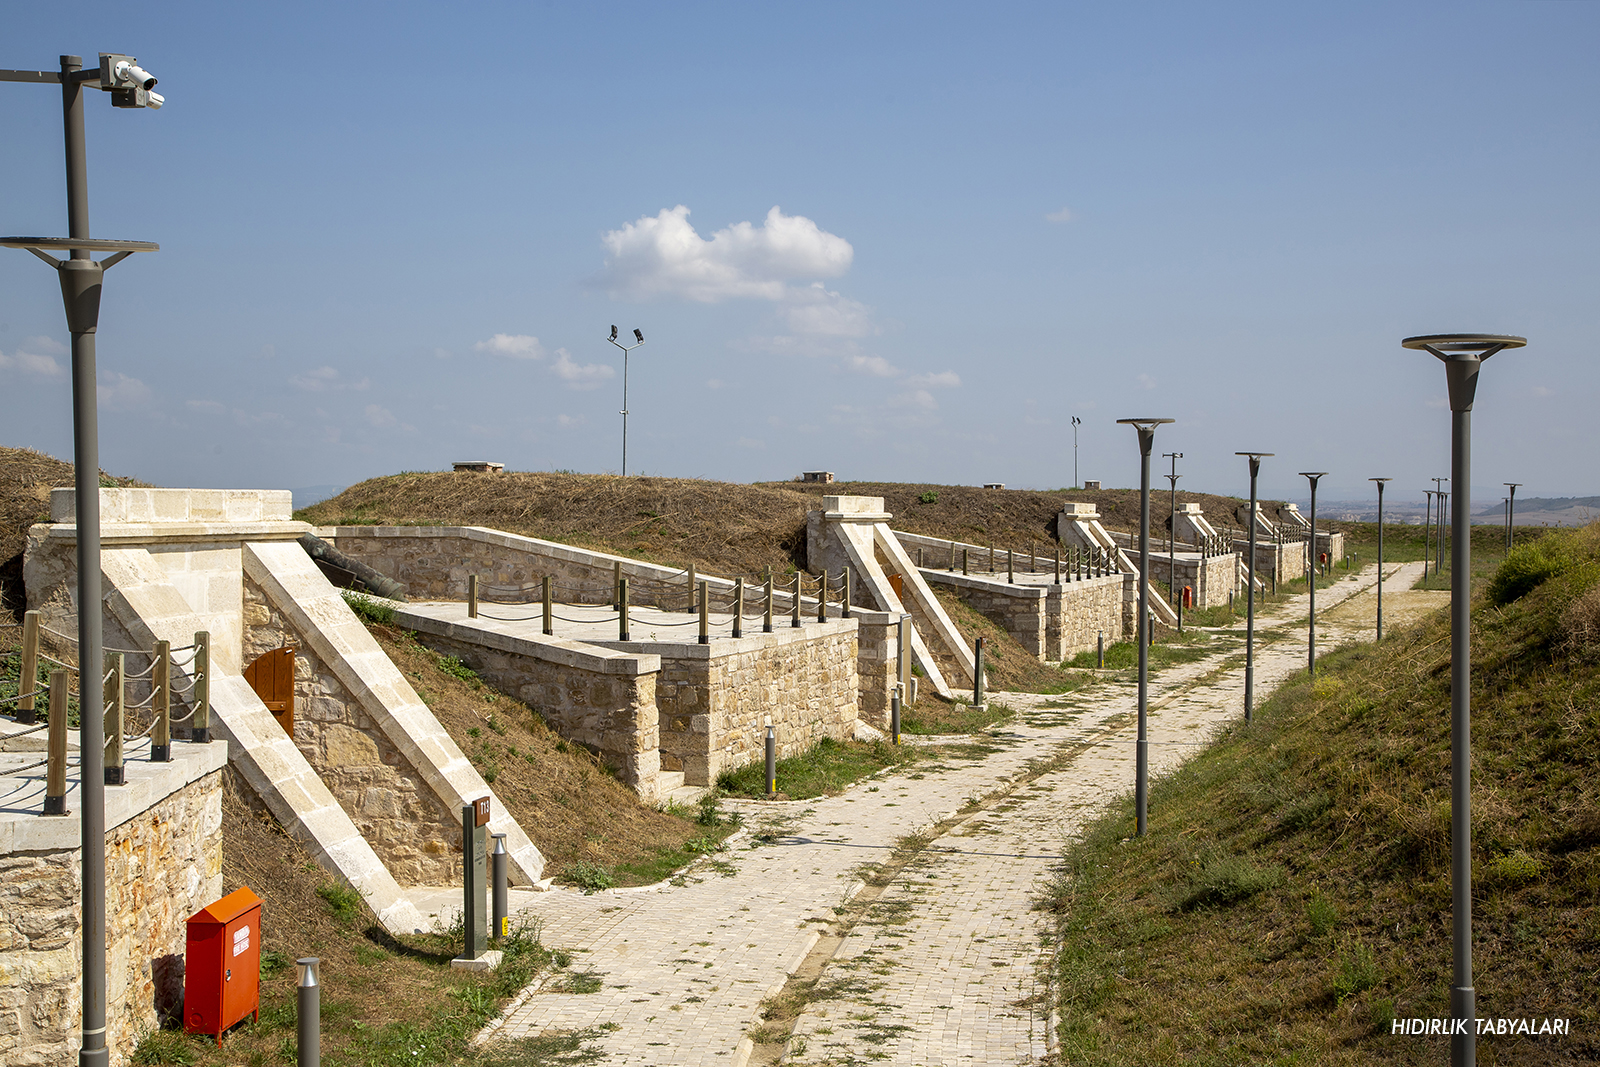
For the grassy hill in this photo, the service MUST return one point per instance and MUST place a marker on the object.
(1293, 893)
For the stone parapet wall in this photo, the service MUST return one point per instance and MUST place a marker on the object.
(414, 834)
(715, 699)
(600, 699)
(877, 664)
(1212, 578)
(1080, 612)
(1051, 621)
(163, 863)
(1286, 561)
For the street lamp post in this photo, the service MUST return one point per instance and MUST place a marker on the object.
(81, 278)
(1172, 525)
(625, 350)
(1511, 516)
(1438, 549)
(1076, 422)
(1141, 787)
(1380, 482)
(1462, 356)
(1250, 590)
(1311, 579)
(1427, 531)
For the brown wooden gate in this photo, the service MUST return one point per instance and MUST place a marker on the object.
(272, 677)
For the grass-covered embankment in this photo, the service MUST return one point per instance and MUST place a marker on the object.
(1293, 894)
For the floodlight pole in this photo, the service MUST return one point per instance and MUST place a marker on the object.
(1463, 356)
(1311, 579)
(1438, 548)
(1380, 482)
(1141, 788)
(1250, 591)
(1511, 516)
(625, 350)
(81, 278)
(1076, 422)
(1172, 525)
(1427, 531)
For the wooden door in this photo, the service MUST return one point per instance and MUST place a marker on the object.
(272, 677)
(897, 583)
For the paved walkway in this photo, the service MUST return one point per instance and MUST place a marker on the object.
(939, 962)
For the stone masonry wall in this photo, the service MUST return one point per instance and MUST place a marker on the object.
(612, 715)
(162, 866)
(714, 703)
(401, 817)
(877, 664)
(1052, 621)
(1085, 609)
(1211, 578)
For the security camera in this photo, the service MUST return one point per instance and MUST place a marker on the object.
(126, 71)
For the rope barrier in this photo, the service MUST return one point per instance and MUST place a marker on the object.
(580, 622)
(519, 618)
(58, 663)
(29, 730)
(25, 767)
(37, 692)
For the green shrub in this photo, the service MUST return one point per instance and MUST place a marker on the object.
(454, 667)
(589, 877)
(930, 497)
(1356, 973)
(1515, 868)
(369, 609)
(343, 900)
(1322, 915)
(1529, 566)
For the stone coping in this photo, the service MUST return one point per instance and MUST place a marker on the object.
(132, 533)
(853, 505)
(594, 652)
(1028, 586)
(23, 829)
(161, 506)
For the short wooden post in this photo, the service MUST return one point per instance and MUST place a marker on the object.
(977, 674)
(1011, 566)
(1058, 562)
(161, 703)
(28, 680)
(795, 607)
(766, 615)
(1033, 558)
(114, 716)
(549, 607)
(919, 557)
(692, 590)
(622, 609)
(616, 586)
(845, 612)
(991, 557)
(738, 607)
(965, 558)
(200, 722)
(55, 775)
(705, 616)
(472, 596)
(953, 558)
(822, 596)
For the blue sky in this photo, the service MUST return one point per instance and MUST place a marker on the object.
(897, 241)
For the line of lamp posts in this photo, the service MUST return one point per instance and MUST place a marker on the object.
(1463, 356)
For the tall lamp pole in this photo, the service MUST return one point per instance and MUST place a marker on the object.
(1250, 590)
(1438, 549)
(1511, 516)
(625, 350)
(81, 278)
(1172, 524)
(1427, 532)
(1462, 356)
(1141, 787)
(1311, 579)
(1076, 422)
(1380, 482)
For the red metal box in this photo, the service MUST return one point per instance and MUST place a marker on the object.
(222, 964)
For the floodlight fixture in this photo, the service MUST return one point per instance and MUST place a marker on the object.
(639, 335)
(1381, 482)
(1311, 577)
(1255, 459)
(1141, 789)
(1462, 355)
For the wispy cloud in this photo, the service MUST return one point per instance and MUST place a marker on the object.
(326, 380)
(118, 392)
(36, 358)
(584, 376)
(512, 345)
(1146, 382)
(876, 366)
(1064, 215)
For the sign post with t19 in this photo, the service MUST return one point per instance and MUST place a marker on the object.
(475, 877)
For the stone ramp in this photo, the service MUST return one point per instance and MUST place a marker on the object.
(150, 608)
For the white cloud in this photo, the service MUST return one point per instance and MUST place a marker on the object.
(1146, 382)
(1063, 215)
(664, 256)
(441, 353)
(119, 392)
(586, 376)
(916, 399)
(36, 358)
(326, 380)
(876, 366)
(514, 345)
(380, 416)
(568, 421)
(210, 407)
(817, 311)
(1542, 391)
(945, 379)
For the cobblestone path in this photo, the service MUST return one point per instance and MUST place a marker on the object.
(926, 953)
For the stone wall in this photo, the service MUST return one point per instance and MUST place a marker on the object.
(410, 829)
(1287, 561)
(602, 700)
(163, 863)
(1053, 622)
(715, 699)
(877, 664)
(1212, 578)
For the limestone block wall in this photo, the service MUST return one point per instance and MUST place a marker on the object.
(1020, 610)
(1080, 611)
(602, 699)
(716, 698)
(163, 863)
(1212, 577)
(1287, 561)
(1051, 621)
(877, 664)
(415, 835)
